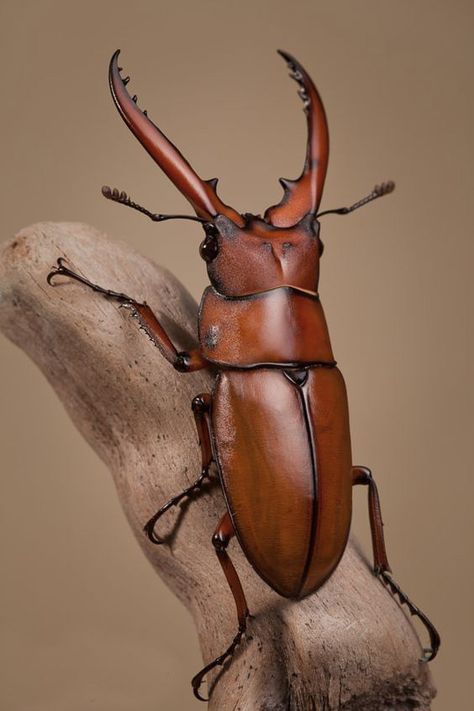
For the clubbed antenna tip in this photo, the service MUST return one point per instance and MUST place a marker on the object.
(378, 191)
(384, 188)
(114, 194)
(121, 197)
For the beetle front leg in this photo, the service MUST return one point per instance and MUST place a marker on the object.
(220, 540)
(201, 406)
(363, 475)
(185, 361)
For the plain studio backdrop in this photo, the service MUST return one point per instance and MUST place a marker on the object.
(86, 624)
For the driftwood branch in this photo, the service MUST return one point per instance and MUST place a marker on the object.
(349, 646)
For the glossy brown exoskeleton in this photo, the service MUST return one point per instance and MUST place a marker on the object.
(276, 423)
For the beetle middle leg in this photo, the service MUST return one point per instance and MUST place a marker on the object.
(201, 406)
(363, 475)
(185, 362)
(220, 540)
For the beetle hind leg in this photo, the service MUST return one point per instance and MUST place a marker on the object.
(201, 406)
(363, 475)
(220, 540)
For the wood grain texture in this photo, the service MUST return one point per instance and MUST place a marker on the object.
(349, 646)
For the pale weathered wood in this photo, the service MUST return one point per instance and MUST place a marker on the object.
(349, 646)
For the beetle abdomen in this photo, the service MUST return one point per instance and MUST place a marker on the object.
(289, 489)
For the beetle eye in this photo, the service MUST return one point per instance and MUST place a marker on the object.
(209, 247)
(321, 247)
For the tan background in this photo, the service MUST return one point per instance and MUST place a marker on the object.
(86, 623)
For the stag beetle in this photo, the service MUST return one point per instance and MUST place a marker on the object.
(276, 424)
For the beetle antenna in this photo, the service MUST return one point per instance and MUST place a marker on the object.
(122, 198)
(378, 191)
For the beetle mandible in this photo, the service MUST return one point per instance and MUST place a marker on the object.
(262, 327)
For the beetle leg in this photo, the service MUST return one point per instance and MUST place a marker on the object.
(201, 406)
(363, 475)
(185, 361)
(220, 540)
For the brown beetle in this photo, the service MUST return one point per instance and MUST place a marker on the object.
(276, 424)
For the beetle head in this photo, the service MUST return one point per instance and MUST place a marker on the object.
(258, 256)
(247, 253)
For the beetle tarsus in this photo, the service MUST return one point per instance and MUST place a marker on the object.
(149, 527)
(429, 653)
(218, 662)
(61, 270)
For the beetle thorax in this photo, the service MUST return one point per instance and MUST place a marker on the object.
(259, 256)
